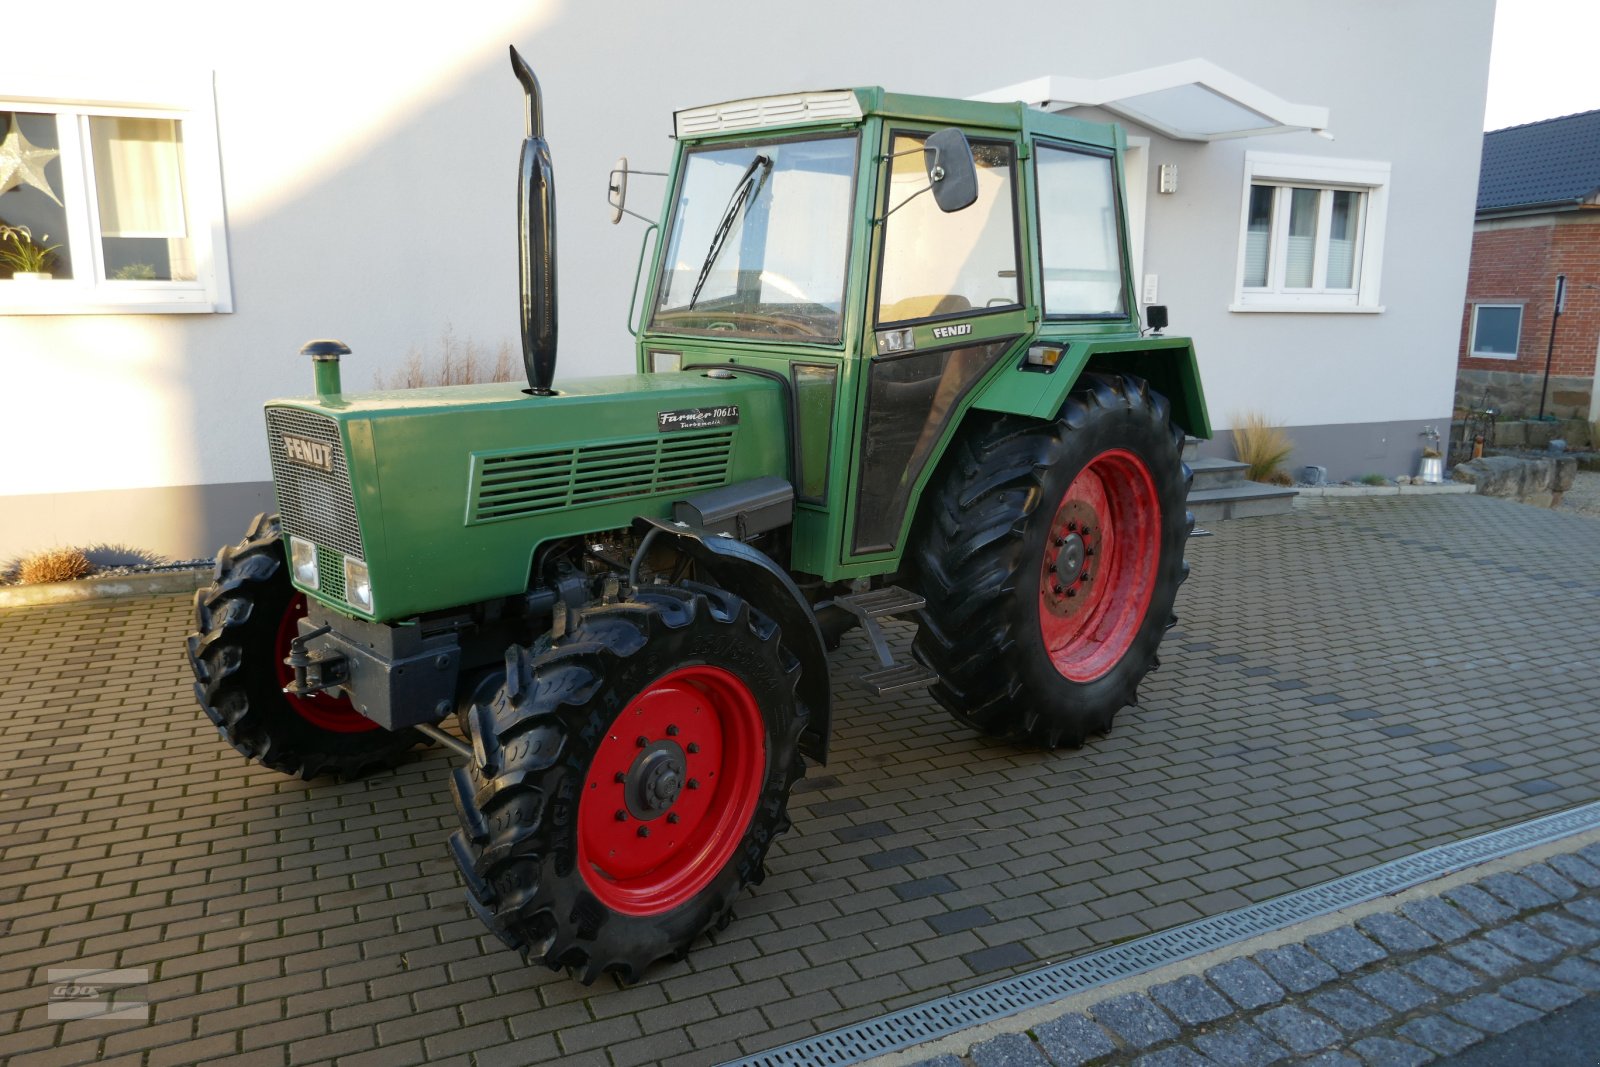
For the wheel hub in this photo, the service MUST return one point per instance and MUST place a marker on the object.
(655, 780)
(1069, 569)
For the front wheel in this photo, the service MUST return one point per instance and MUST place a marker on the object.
(1050, 556)
(628, 780)
(244, 622)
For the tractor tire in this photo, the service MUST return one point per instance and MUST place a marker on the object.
(628, 779)
(244, 621)
(1050, 555)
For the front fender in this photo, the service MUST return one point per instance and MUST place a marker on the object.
(750, 573)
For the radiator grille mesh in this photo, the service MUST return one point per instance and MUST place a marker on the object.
(509, 485)
(315, 505)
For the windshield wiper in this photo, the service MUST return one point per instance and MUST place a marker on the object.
(749, 185)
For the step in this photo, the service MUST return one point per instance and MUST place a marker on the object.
(877, 603)
(1191, 448)
(1242, 501)
(897, 679)
(1210, 473)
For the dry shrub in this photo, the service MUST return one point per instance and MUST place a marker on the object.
(1260, 444)
(53, 565)
(1280, 477)
(458, 363)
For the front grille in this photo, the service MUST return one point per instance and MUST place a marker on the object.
(330, 573)
(510, 485)
(317, 506)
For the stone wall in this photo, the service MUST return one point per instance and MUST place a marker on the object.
(1539, 481)
(1516, 394)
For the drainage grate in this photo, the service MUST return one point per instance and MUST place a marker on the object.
(937, 1018)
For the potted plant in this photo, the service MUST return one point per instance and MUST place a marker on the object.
(26, 259)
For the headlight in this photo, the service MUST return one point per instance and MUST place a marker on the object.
(357, 584)
(303, 562)
(663, 362)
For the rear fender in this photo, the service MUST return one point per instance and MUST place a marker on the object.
(750, 573)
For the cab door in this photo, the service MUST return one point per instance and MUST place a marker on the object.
(946, 305)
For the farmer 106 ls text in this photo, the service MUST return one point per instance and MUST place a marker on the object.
(889, 364)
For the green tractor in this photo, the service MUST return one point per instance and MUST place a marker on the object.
(889, 364)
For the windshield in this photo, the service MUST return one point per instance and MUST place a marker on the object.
(760, 239)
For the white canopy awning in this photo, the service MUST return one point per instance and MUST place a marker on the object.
(1194, 100)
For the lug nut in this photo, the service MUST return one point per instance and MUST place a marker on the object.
(672, 817)
(620, 777)
(672, 731)
(644, 831)
(643, 741)
(622, 816)
(1072, 592)
(693, 748)
(694, 783)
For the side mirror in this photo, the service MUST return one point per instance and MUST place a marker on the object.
(617, 188)
(1155, 318)
(951, 172)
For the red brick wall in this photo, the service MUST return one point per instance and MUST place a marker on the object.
(1519, 266)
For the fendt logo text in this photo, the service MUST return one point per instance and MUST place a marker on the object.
(308, 453)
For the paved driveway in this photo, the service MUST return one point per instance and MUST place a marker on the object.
(1347, 684)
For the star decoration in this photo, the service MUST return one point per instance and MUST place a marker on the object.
(21, 162)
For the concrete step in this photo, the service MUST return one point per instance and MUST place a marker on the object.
(1216, 473)
(1242, 501)
(1191, 449)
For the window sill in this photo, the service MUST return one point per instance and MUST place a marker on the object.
(1502, 357)
(13, 301)
(1308, 309)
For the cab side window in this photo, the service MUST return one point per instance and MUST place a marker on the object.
(936, 263)
(1078, 235)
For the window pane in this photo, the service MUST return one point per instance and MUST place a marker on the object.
(1258, 236)
(1302, 252)
(1496, 331)
(138, 169)
(1342, 238)
(936, 263)
(33, 196)
(760, 240)
(1078, 232)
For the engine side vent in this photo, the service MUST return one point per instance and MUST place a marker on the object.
(515, 484)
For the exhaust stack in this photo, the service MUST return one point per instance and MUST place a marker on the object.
(536, 239)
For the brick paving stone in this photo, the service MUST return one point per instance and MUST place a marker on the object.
(1074, 1040)
(943, 1060)
(1395, 990)
(1008, 1050)
(1135, 1019)
(1395, 933)
(1239, 1045)
(1297, 1030)
(1172, 1056)
(1332, 1059)
(1485, 957)
(1565, 930)
(1540, 993)
(1439, 919)
(1298, 970)
(1440, 1034)
(1480, 905)
(1387, 1052)
(1442, 974)
(1576, 972)
(1246, 984)
(1345, 949)
(1576, 869)
(1490, 1013)
(1515, 891)
(1522, 940)
(1191, 1001)
(1348, 1009)
(1585, 909)
(1547, 878)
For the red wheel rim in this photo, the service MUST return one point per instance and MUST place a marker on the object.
(671, 790)
(1099, 567)
(319, 709)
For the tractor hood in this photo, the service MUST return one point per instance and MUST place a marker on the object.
(479, 476)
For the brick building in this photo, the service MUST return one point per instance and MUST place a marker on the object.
(1538, 217)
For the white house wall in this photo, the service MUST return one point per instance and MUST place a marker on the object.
(368, 165)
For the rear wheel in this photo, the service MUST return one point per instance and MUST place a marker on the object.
(628, 780)
(1050, 557)
(244, 622)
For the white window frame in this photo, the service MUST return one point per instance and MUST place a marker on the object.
(188, 99)
(1472, 335)
(1370, 177)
